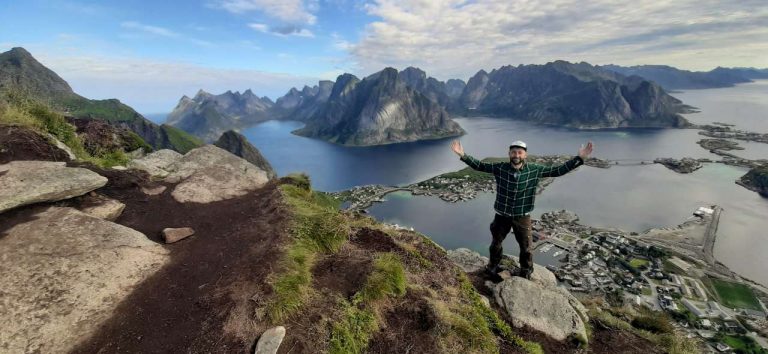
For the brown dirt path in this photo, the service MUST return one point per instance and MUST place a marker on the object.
(211, 278)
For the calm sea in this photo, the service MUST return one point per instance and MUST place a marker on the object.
(630, 196)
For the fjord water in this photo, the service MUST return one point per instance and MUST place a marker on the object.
(630, 196)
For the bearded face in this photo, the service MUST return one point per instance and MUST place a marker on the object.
(517, 155)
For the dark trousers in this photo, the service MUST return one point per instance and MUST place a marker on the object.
(521, 226)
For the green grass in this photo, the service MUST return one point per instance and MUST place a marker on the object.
(484, 317)
(109, 110)
(742, 344)
(352, 333)
(315, 227)
(22, 111)
(292, 286)
(359, 322)
(638, 262)
(735, 295)
(386, 280)
(673, 343)
(180, 140)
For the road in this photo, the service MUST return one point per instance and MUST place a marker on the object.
(709, 236)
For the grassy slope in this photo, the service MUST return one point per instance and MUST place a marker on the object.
(21, 111)
(180, 140)
(319, 230)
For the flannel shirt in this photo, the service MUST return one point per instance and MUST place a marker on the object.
(516, 189)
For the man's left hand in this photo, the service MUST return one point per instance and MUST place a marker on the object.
(585, 151)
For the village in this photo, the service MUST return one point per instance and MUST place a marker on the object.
(631, 270)
(669, 269)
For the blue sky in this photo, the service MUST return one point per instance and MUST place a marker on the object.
(150, 53)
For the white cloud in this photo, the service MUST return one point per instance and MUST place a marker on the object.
(455, 38)
(160, 31)
(152, 86)
(291, 11)
(259, 27)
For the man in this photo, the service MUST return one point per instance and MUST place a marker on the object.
(516, 183)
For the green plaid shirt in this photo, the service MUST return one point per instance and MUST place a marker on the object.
(516, 189)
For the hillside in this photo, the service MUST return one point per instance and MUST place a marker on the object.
(162, 258)
(22, 76)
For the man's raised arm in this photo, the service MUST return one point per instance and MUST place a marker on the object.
(469, 160)
(570, 165)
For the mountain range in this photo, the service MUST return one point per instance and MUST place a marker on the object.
(391, 106)
(22, 74)
(676, 79)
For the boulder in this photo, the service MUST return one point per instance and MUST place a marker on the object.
(549, 310)
(157, 164)
(471, 261)
(207, 156)
(468, 260)
(540, 274)
(29, 182)
(211, 174)
(171, 235)
(102, 207)
(64, 274)
(270, 340)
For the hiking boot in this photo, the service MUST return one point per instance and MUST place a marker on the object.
(492, 273)
(523, 273)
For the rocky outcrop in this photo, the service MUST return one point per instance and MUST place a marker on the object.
(238, 145)
(684, 165)
(468, 260)
(757, 180)
(64, 273)
(435, 90)
(571, 95)
(302, 105)
(101, 207)
(29, 182)
(381, 109)
(538, 303)
(551, 310)
(471, 261)
(207, 116)
(157, 164)
(210, 173)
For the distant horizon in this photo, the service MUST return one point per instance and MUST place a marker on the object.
(148, 54)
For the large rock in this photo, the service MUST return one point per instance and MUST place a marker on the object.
(239, 145)
(157, 164)
(29, 182)
(471, 261)
(210, 174)
(102, 207)
(468, 260)
(270, 340)
(550, 310)
(64, 273)
(540, 274)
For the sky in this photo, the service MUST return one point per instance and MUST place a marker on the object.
(150, 53)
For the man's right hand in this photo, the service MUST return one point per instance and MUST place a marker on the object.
(456, 147)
